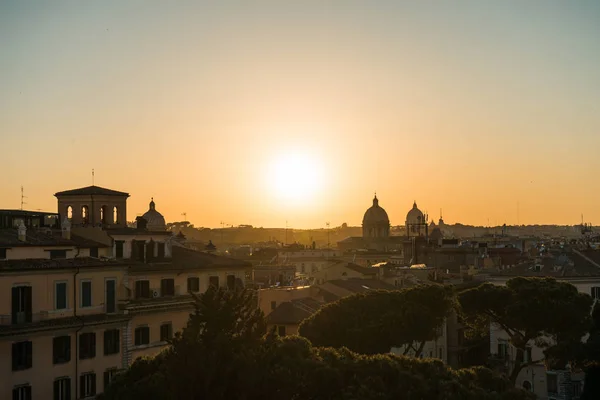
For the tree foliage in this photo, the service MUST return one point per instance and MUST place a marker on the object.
(375, 321)
(223, 354)
(540, 311)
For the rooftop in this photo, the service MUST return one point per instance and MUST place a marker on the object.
(91, 190)
(9, 237)
(63, 263)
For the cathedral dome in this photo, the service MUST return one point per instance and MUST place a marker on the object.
(415, 216)
(376, 224)
(155, 220)
(375, 214)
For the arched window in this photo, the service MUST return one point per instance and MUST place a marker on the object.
(527, 386)
(103, 214)
(69, 212)
(85, 214)
(115, 215)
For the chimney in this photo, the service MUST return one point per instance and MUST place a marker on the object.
(66, 229)
(22, 232)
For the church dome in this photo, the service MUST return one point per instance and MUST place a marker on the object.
(375, 215)
(155, 220)
(415, 216)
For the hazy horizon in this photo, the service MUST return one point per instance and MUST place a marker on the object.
(299, 111)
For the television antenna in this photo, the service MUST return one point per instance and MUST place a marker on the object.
(22, 198)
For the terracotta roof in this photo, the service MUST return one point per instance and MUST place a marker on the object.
(294, 312)
(558, 264)
(91, 190)
(188, 258)
(362, 270)
(32, 264)
(136, 231)
(36, 237)
(61, 323)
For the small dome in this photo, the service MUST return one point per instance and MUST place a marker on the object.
(375, 214)
(415, 215)
(155, 220)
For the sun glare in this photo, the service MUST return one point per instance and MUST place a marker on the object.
(295, 176)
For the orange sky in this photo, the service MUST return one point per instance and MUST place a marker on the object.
(473, 108)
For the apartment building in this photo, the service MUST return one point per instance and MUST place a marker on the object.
(82, 295)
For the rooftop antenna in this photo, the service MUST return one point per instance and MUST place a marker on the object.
(184, 216)
(92, 176)
(286, 228)
(518, 219)
(328, 233)
(24, 197)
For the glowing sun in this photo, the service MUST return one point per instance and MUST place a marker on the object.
(295, 176)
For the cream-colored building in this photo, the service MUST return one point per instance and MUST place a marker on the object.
(82, 295)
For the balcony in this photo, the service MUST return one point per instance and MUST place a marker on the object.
(24, 318)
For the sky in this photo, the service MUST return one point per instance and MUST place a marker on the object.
(264, 112)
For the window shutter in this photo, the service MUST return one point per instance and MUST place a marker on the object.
(29, 349)
(27, 293)
(67, 388)
(82, 386)
(56, 390)
(106, 382)
(15, 304)
(93, 376)
(16, 394)
(28, 392)
(93, 345)
(117, 341)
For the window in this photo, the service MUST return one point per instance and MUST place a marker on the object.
(441, 353)
(231, 282)
(167, 287)
(527, 355)
(58, 254)
(213, 281)
(22, 393)
(313, 267)
(142, 335)
(161, 250)
(502, 348)
(142, 289)
(302, 269)
(103, 214)
(61, 349)
(60, 295)
(527, 386)
(62, 389)
(109, 377)
(577, 386)
(87, 385)
(552, 383)
(273, 305)
(85, 214)
(21, 304)
(193, 284)
(595, 292)
(87, 345)
(115, 215)
(281, 330)
(2, 254)
(119, 249)
(86, 294)
(110, 301)
(94, 252)
(111, 342)
(21, 355)
(69, 212)
(166, 332)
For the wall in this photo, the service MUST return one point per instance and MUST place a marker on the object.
(43, 372)
(94, 204)
(43, 288)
